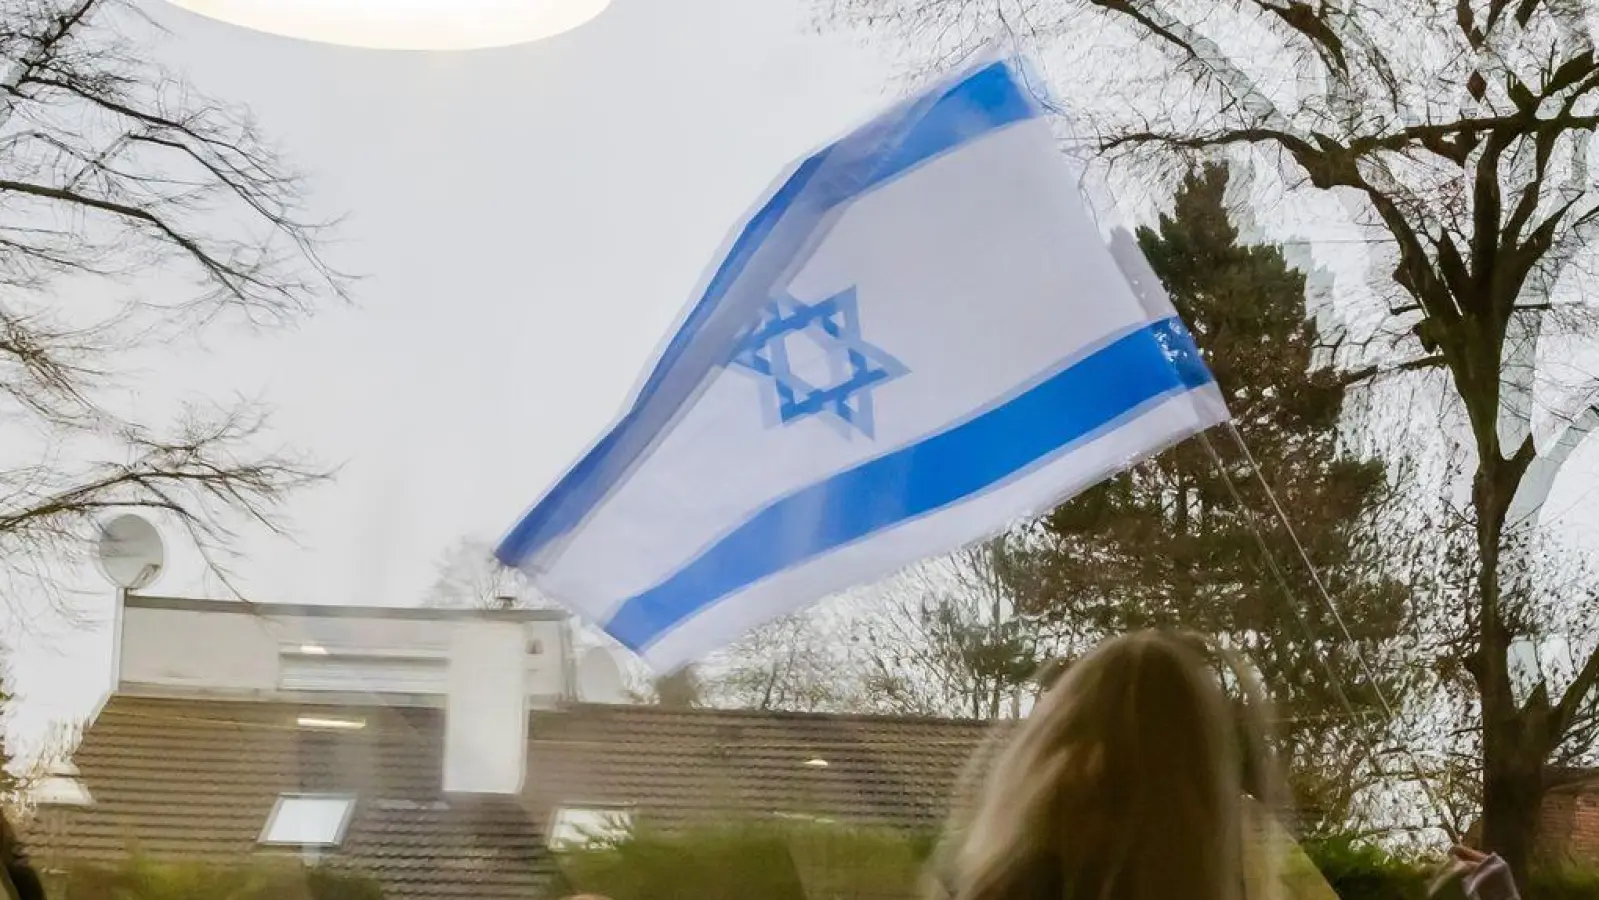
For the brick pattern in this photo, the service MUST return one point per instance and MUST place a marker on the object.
(197, 779)
(1569, 820)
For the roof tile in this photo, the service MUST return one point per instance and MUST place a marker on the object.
(196, 779)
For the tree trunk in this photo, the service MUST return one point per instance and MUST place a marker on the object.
(1512, 753)
(1512, 794)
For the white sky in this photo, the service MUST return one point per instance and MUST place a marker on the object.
(530, 220)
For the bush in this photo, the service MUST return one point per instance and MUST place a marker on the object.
(1564, 884)
(1363, 872)
(799, 862)
(142, 879)
(744, 860)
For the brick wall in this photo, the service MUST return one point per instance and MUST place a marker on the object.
(1569, 824)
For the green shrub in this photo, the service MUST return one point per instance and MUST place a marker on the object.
(744, 860)
(784, 861)
(1359, 871)
(143, 879)
(1362, 872)
(1564, 884)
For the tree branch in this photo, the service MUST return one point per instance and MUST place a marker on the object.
(1376, 371)
(237, 280)
(109, 165)
(1572, 701)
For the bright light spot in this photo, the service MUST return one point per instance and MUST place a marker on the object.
(575, 827)
(816, 763)
(405, 24)
(60, 790)
(805, 817)
(328, 722)
(313, 650)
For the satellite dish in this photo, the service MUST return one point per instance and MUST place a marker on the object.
(599, 678)
(130, 552)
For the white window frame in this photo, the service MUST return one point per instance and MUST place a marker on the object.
(622, 827)
(339, 833)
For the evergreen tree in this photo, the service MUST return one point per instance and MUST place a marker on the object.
(1168, 543)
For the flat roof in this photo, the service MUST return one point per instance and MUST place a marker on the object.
(331, 611)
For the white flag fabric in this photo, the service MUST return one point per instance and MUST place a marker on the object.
(918, 338)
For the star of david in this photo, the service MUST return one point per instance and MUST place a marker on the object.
(832, 331)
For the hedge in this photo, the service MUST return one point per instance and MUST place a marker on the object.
(142, 879)
(745, 860)
(807, 861)
(1362, 872)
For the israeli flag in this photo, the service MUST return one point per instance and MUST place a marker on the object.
(918, 338)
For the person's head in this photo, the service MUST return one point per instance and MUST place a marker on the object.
(1126, 782)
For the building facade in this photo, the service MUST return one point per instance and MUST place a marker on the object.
(383, 742)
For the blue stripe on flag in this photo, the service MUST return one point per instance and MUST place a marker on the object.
(985, 100)
(1079, 403)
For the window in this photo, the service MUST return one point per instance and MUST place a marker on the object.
(308, 820)
(575, 826)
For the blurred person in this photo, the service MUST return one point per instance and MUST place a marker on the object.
(1134, 778)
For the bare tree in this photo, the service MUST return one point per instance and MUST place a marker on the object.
(795, 663)
(469, 577)
(1456, 133)
(9, 783)
(953, 643)
(117, 178)
(941, 639)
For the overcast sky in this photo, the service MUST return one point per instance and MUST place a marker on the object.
(530, 222)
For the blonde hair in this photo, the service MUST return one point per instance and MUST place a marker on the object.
(1127, 782)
